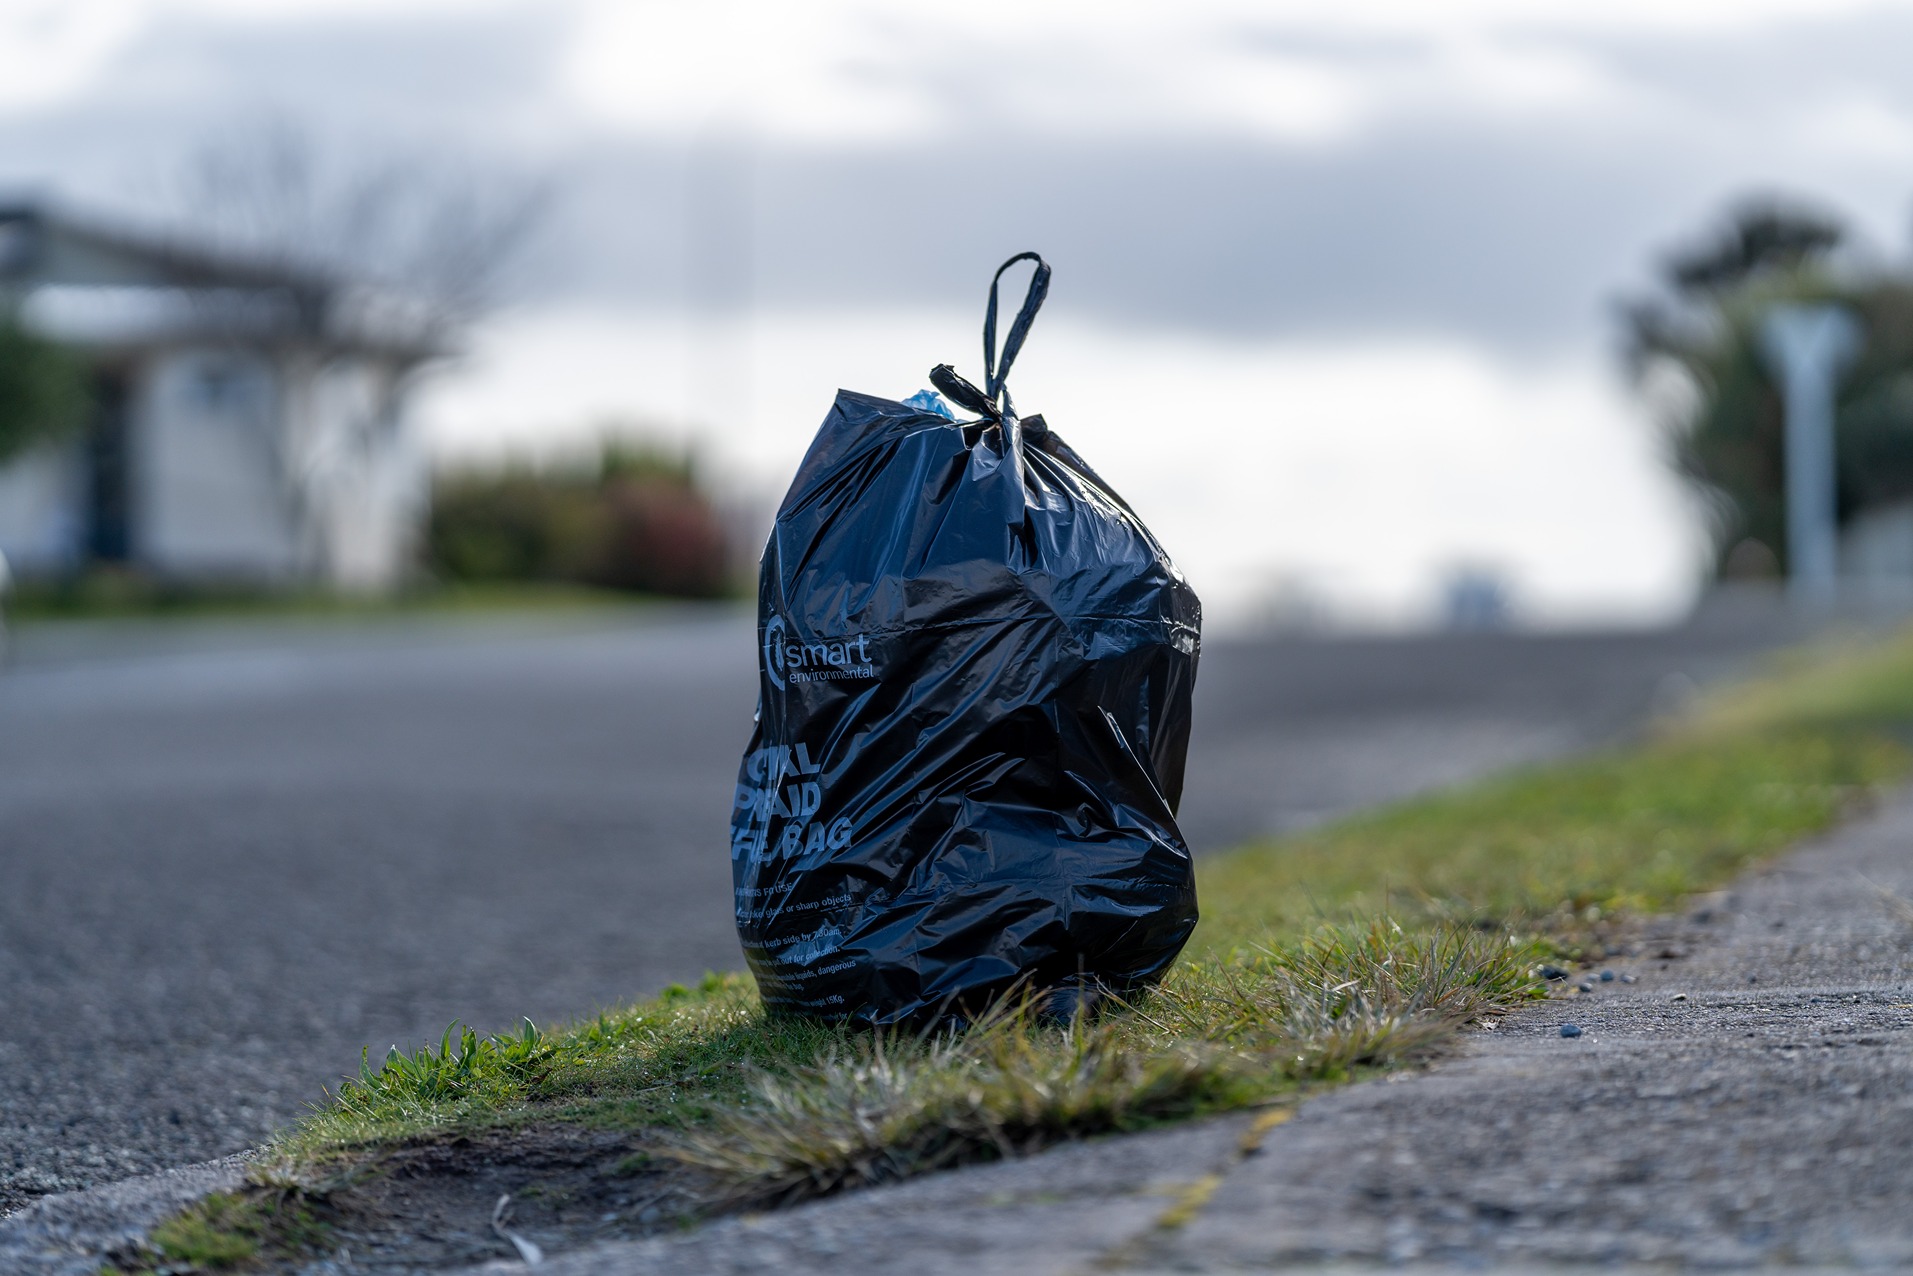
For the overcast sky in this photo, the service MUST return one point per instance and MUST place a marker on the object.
(1364, 253)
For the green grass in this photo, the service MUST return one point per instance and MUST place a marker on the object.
(1847, 684)
(123, 596)
(1321, 957)
(225, 1231)
(1218, 1035)
(1557, 847)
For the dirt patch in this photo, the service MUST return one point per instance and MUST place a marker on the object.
(438, 1205)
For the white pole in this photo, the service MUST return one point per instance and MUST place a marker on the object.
(1808, 346)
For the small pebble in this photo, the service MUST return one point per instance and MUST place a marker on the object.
(1570, 1030)
(1679, 996)
(650, 1214)
(1630, 979)
(1607, 976)
(1553, 972)
(1753, 979)
(1585, 986)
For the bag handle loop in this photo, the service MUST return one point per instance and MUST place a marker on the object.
(995, 377)
(993, 400)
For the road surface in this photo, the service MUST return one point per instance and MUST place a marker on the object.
(233, 854)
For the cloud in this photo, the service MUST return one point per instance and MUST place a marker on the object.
(1490, 170)
(52, 50)
(1306, 74)
(849, 71)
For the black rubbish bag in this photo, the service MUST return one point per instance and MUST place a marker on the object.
(974, 681)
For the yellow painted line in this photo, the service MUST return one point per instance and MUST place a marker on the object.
(1260, 1127)
(1189, 1201)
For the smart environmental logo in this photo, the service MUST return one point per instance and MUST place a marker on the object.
(789, 658)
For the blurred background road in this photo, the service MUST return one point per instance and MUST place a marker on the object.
(238, 852)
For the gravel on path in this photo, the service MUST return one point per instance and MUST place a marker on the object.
(1748, 1101)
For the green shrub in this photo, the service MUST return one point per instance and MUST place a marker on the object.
(635, 520)
(43, 390)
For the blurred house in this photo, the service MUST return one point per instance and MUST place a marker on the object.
(1475, 599)
(249, 416)
(1876, 553)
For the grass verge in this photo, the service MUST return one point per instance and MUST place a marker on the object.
(122, 596)
(226, 1230)
(1321, 957)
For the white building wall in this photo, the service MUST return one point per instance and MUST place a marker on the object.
(366, 479)
(211, 497)
(241, 469)
(363, 481)
(1876, 553)
(42, 510)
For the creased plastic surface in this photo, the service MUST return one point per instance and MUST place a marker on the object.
(975, 668)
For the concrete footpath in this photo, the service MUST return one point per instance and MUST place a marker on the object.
(1749, 1101)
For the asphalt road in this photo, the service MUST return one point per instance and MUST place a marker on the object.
(231, 855)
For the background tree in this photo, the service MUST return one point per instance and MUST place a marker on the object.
(439, 231)
(1695, 348)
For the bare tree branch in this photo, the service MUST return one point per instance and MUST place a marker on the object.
(437, 228)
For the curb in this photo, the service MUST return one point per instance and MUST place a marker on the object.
(69, 1234)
